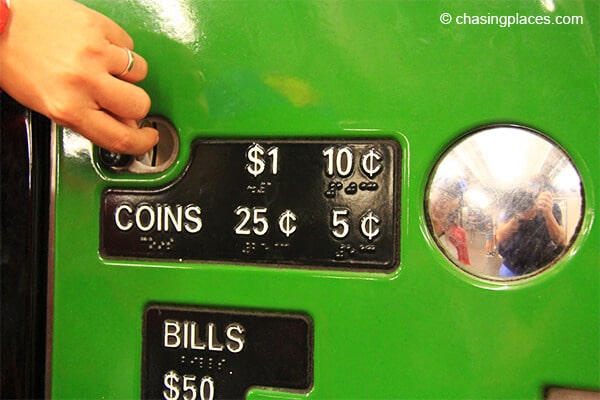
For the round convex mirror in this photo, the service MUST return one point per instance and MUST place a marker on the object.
(504, 202)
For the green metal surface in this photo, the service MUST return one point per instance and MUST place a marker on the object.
(300, 68)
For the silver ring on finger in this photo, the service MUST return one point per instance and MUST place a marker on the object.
(130, 62)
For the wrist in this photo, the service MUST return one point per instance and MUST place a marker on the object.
(4, 14)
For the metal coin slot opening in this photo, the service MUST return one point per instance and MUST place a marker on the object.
(158, 159)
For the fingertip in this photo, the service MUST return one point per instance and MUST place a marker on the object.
(120, 136)
(143, 67)
(139, 142)
(152, 134)
(134, 141)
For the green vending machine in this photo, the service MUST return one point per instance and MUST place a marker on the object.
(349, 200)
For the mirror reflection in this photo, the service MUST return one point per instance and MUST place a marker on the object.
(504, 202)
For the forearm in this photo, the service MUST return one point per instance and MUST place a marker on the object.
(556, 231)
(507, 229)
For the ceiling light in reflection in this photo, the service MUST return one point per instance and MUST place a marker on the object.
(174, 18)
(449, 168)
(477, 198)
(505, 154)
(567, 180)
(511, 155)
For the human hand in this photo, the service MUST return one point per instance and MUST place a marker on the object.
(544, 203)
(63, 59)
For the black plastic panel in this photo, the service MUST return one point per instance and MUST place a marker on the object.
(24, 197)
(220, 354)
(315, 203)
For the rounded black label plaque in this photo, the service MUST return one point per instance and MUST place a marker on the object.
(313, 203)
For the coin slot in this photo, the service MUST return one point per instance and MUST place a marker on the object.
(157, 159)
(163, 154)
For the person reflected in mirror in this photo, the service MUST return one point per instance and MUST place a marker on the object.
(530, 233)
(490, 245)
(78, 68)
(444, 207)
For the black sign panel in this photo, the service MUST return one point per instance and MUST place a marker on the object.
(317, 203)
(215, 354)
